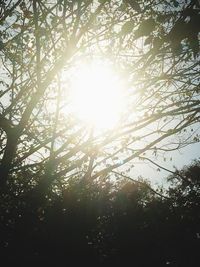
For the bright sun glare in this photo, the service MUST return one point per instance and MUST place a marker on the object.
(97, 95)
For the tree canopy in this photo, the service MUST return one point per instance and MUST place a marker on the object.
(154, 45)
(68, 193)
(118, 224)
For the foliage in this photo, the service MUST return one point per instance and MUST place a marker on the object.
(105, 225)
(154, 44)
(65, 197)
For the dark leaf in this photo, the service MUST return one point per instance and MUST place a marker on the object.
(194, 44)
(176, 3)
(127, 28)
(148, 40)
(135, 5)
(179, 31)
(145, 28)
(157, 42)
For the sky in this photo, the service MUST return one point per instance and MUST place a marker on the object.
(180, 159)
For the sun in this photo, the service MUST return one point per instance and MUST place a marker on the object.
(97, 96)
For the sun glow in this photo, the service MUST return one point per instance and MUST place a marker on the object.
(97, 95)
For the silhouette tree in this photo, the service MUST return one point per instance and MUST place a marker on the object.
(154, 44)
(105, 224)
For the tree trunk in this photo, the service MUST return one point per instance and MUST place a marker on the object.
(7, 159)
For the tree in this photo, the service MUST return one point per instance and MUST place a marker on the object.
(154, 43)
(106, 225)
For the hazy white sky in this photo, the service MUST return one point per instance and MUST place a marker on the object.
(179, 159)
